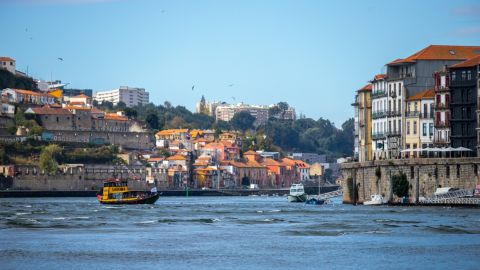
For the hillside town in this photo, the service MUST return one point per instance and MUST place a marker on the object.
(425, 105)
(172, 158)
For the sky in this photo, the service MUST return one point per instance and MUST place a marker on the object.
(312, 54)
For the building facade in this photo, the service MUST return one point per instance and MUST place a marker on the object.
(227, 111)
(364, 123)
(441, 136)
(464, 96)
(419, 123)
(8, 64)
(131, 96)
(379, 117)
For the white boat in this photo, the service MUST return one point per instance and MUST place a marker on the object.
(375, 199)
(297, 193)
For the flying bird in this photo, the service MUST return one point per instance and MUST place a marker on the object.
(60, 58)
(230, 85)
(193, 86)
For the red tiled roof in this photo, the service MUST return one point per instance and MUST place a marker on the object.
(250, 152)
(50, 111)
(367, 87)
(80, 96)
(114, 116)
(176, 157)
(380, 76)
(474, 61)
(427, 94)
(6, 58)
(441, 52)
(32, 93)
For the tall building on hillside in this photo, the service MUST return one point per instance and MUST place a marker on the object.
(226, 112)
(464, 91)
(8, 64)
(131, 96)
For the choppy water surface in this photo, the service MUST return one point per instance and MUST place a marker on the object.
(233, 233)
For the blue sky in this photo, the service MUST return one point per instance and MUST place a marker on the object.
(312, 54)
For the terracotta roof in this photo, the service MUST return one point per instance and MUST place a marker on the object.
(270, 162)
(171, 131)
(441, 52)
(5, 58)
(250, 152)
(96, 111)
(76, 103)
(367, 87)
(50, 111)
(427, 94)
(155, 159)
(32, 93)
(379, 76)
(474, 61)
(176, 157)
(114, 116)
(80, 96)
(76, 108)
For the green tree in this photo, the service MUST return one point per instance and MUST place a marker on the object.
(121, 105)
(130, 113)
(400, 185)
(152, 121)
(3, 156)
(47, 157)
(242, 121)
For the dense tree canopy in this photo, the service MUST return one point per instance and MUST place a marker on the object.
(242, 121)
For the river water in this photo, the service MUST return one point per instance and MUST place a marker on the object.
(234, 233)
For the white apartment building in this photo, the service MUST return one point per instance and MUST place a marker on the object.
(227, 111)
(8, 64)
(131, 96)
(379, 117)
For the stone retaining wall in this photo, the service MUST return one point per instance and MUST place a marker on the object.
(424, 177)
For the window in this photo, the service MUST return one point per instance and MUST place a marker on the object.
(408, 127)
(464, 75)
(430, 129)
(414, 127)
(454, 76)
(424, 129)
(469, 75)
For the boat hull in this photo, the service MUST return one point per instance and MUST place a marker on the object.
(149, 200)
(297, 198)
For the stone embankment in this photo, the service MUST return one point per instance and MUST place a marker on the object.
(361, 180)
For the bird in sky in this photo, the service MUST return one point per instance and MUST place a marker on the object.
(193, 86)
(230, 85)
(60, 58)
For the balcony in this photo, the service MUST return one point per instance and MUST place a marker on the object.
(442, 124)
(441, 141)
(394, 113)
(378, 136)
(393, 133)
(415, 114)
(426, 116)
(379, 94)
(440, 89)
(441, 106)
(379, 114)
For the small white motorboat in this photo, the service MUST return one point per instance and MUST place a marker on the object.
(297, 193)
(376, 199)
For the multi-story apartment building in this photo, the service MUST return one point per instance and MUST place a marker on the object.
(413, 74)
(464, 84)
(379, 117)
(226, 112)
(441, 137)
(131, 96)
(419, 122)
(364, 123)
(8, 64)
